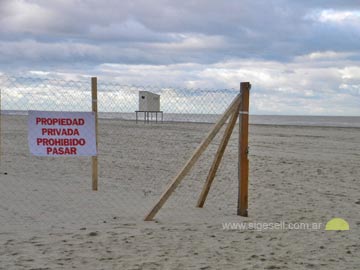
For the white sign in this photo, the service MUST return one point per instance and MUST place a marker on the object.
(62, 133)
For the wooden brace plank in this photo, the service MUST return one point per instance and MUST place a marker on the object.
(218, 157)
(190, 163)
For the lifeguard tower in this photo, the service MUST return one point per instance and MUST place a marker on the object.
(149, 105)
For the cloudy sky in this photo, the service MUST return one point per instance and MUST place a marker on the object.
(302, 57)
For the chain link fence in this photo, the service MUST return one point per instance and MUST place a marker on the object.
(136, 160)
(20, 94)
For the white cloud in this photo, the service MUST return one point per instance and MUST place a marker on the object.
(25, 16)
(351, 72)
(325, 55)
(300, 87)
(193, 42)
(339, 16)
(278, 88)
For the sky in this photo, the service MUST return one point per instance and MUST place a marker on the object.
(301, 57)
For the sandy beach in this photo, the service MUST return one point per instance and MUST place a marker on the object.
(51, 219)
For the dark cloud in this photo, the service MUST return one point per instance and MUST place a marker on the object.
(259, 29)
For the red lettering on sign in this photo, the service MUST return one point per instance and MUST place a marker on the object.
(60, 132)
(61, 151)
(60, 121)
(60, 142)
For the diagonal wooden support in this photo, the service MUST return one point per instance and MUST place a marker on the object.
(218, 157)
(190, 163)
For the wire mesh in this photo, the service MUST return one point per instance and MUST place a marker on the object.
(136, 160)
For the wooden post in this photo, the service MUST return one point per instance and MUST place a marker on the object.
(0, 134)
(1, 138)
(218, 157)
(94, 159)
(190, 163)
(243, 174)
